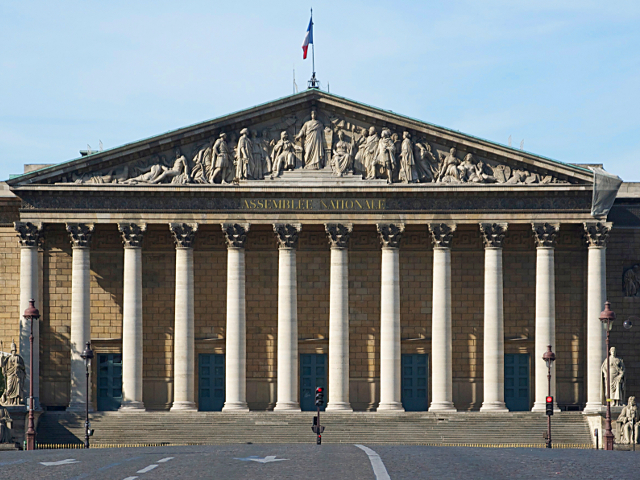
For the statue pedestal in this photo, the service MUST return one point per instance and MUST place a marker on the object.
(20, 423)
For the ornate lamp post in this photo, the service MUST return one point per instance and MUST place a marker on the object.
(87, 355)
(31, 314)
(549, 357)
(607, 317)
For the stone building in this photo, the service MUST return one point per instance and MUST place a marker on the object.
(315, 241)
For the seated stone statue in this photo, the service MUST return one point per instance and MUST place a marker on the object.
(5, 430)
(628, 422)
(14, 373)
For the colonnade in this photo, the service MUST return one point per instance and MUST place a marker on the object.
(390, 344)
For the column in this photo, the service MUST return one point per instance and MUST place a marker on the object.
(29, 235)
(287, 399)
(441, 338)
(493, 235)
(596, 235)
(236, 346)
(183, 332)
(80, 235)
(545, 333)
(339, 235)
(390, 348)
(132, 236)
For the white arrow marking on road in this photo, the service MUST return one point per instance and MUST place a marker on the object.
(60, 462)
(165, 459)
(267, 459)
(379, 470)
(147, 469)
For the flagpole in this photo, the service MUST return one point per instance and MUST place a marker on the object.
(313, 51)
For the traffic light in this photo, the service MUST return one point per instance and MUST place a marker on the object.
(549, 407)
(319, 396)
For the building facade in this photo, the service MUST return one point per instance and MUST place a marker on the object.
(237, 264)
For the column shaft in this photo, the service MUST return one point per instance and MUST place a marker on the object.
(339, 332)
(80, 325)
(545, 332)
(441, 339)
(184, 338)
(287, 399)
(236, 345)
(132, 346)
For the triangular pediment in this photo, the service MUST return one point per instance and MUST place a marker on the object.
(279, 143)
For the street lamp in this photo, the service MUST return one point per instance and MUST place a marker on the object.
(31, 314)
(549, 357)
(87, 355)
(607, 317)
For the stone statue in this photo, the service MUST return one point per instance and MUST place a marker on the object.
(342, 159)
(408, 173)
(312, 132)
(177, 174)
(628, 422)
(370, 149)
(474, 171)
(221, 160)
(266, 146)
(14, 375)
(258, 167)
(631, 282)
(618, 380)
(449, 171)
(284, 157)
(5, 430)
(386, 155)
(426, 163)
(245, 165)
(201, 164)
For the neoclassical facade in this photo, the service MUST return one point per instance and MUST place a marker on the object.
(238, 263)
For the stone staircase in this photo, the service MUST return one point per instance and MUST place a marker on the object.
(481, 429)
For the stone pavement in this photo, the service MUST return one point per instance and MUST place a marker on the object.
(278, 461)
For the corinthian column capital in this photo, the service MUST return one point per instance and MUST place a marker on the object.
(29, 234)
(132, 234)
(80, 234)
(597, 234)
(287, 234)
(183, 234)
(390, 234)
(545, 234)
(235, 234)
(442, 234)
(339, 234)
(493, 234)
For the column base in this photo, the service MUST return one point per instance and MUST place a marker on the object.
(494, 407)
(235, 407)
(593, 408)
(130, 406)
(442, 407)
(183, 407)
(287, 407)
(339, 407)
(390, 407)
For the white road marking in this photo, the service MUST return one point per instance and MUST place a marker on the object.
(60, 462)
(379, 470)
(147, 469)
(267, 459)
(130, 478)
(165, 459)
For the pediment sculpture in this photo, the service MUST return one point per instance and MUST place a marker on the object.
(266, 152)
(618, 381)
(631, 281)
(628, 423)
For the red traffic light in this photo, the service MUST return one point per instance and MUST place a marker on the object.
(549, 399)
(319, 390)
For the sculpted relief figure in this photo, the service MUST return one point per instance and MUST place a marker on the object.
(283, 155)
(618, 380)
(221, 160)
(386, 155)
(408, 172)
(14, 375)
(631, 282)
(5, 431)
(342, 159)
(245, 165)
(258, 169)
(629, 423)
(312, 132)
(449, 172)
(426, 162)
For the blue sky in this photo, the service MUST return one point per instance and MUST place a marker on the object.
(562, 75)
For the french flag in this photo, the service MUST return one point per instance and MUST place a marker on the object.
(308, 38)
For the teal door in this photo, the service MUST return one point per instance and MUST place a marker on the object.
(109, 381)
(516, 382)
(414, 382)
(313, 373)
(210, 382)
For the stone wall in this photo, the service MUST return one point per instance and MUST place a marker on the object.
(313, 305)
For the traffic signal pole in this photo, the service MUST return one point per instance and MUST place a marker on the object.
(319, 439)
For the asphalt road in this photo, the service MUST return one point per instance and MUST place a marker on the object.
(350, 462)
